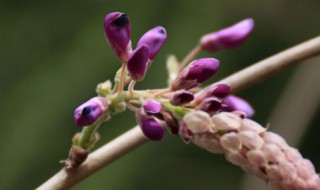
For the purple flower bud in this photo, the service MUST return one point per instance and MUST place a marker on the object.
(210, 105)
(236, 103)
(195, 73)
(89, 112)
(153, 108)
(150, 127)
(117, 31)
(154, 40)
(228, 38)
(181, 97)
(217, 90)
(138, 63)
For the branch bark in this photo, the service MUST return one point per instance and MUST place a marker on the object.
(132, 139)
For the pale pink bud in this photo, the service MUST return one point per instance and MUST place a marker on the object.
(251, 139)
(231, 142)
(292, 155)
(198, 121)
(273, 153)
(250, 125)
(236, 158)
(257, 157)
(273, 138)
(226, 121)
(209, 142)
(273, 172)
(228, 38)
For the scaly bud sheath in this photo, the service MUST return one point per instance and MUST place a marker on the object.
(196, 73)
(138, 62)
(89, 112)
(228, 38)
(150, 127)
(216, 90)
(118, 32)
(181, 97)
(172, 123)
(236, 103)
(154, 40)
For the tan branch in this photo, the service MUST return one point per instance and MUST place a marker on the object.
(134, 138)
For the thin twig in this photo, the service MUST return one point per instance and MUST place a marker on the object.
(134, 137)
(191, 55)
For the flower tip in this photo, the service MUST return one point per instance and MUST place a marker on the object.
(235, 103)
(90, 111)
(118, 32)
(154, 40)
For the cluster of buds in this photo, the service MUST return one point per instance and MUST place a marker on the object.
(210, 117)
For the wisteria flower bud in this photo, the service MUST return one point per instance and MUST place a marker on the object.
(226, 121)
(228, 38)
(154, 40)
(198, 121)
(210, 105)
(236, 103)
(150, 127)
(138, 63)
(118, 33)
(153, 108)
(181, 97)
(89, 112)
(216, 90)
(196, 73)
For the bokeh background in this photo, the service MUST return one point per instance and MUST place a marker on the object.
(53, 53)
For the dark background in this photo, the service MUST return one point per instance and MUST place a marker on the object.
(53, 53)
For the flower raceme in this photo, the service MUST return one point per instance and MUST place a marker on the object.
(210, 117)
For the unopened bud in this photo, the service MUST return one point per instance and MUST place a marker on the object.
(181, 97)
(138, 63)
(235, 103)
(228, 38)
(118, 33)
(154, 40)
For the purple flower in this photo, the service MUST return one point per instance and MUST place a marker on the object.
(150, 127)
(216, 90)
(195, 73)
(235, 103)
(117, 31)
(210, 105)
(181, 97)
(154, 40)
(90, 111)
(151, 107)
(228, 38)
(138, 62)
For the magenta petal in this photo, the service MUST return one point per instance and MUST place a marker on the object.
(154, 40)
(210, 105)
(228, 38)
(150, 127)
(151, 107)
(118, 33)
(138, 62)
(90, 111)
(236, 103)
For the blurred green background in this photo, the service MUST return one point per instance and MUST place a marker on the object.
(53, 53)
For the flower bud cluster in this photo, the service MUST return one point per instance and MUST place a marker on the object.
(118, 33)
(247, 144)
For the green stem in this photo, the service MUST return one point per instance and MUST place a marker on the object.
(86, 136)
(177, 111)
